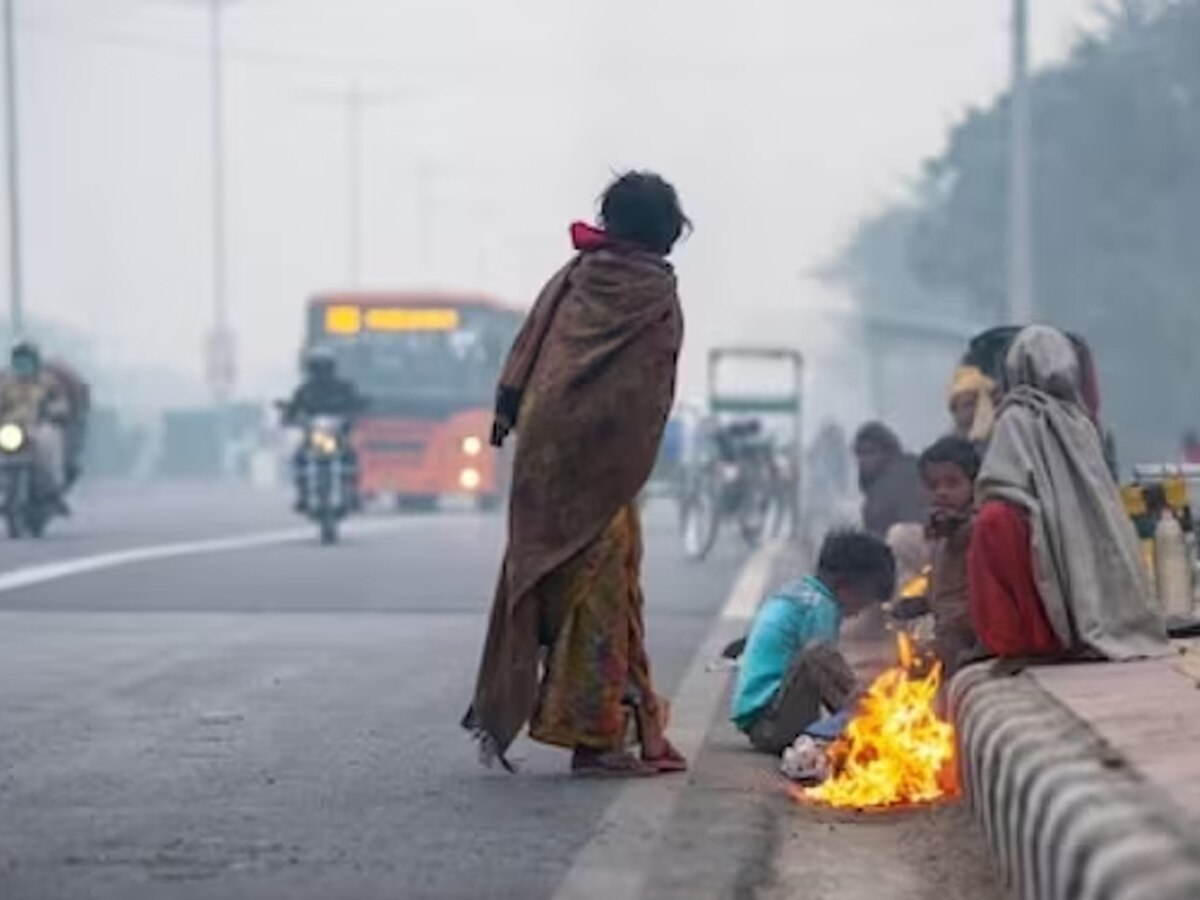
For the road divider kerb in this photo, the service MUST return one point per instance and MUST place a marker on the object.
(1066, 818)
(615, 863)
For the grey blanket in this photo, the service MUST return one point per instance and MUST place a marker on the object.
(1047, 458)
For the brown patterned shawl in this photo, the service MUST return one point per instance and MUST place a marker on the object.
(588, 385)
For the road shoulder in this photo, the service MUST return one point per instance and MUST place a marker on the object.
(737, 831)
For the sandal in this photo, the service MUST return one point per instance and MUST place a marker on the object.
(609, 764)
(668, 761)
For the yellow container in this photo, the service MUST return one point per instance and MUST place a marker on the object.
(1135, 500)
(1176, 491)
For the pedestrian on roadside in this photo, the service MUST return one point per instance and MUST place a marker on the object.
(1054, 566)
(588, 385)
(949, 468)
(888, 479)
(791, 669)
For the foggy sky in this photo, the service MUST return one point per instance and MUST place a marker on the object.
(494, 124)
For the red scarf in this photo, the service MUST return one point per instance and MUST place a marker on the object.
(586, 238)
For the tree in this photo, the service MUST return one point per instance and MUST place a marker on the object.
(1116, 215)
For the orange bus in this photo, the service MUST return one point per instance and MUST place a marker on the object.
(427, 365)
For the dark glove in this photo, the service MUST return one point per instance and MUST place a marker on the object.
(500, 431)
(508, 405)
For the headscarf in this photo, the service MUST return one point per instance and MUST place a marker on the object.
(1046, 457)
(971, 380)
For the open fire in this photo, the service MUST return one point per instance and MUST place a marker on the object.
(896, 751)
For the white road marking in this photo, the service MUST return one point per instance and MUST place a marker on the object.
(751, 584)
(615, 863)
(30, 576)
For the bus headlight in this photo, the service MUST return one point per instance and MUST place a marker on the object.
(469, 479)
(12, 437)
(472, 446)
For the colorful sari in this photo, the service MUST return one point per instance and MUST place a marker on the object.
(595, 663)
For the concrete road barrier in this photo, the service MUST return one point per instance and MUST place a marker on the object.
(1066, 815)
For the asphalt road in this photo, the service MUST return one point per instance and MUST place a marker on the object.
(115, 516)
(272, 719)
(280, 721)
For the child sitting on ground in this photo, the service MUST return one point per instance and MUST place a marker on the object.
(948, 469)
(791, 668)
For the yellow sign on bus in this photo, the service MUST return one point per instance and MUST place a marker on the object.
(410, 319)
(353, 319)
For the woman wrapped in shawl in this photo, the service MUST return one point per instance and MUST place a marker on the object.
(588, 387)
(1054, 567)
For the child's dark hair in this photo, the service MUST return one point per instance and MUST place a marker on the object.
(643, 209)
(855, 557)
(881, 436)
(954, 450)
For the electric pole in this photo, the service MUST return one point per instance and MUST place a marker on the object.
(1021, 308)
(355, 100)
(221, 361)
(16, 299)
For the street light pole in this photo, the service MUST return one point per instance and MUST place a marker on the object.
(16, 285)
(1021, 307)
(220, 349)
(426, 172)
(354, 184)
(355, 100)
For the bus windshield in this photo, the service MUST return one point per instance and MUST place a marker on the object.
(403, 364)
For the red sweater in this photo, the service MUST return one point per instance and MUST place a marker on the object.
(1006, 608)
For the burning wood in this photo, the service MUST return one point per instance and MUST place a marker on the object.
(896, 750)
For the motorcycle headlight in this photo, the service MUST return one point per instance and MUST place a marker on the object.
(323, 443)
(12, 437)
(472, 446)
(729, 472)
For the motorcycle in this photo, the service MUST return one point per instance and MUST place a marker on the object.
(26, 509)
(736, 478)
(327, 476)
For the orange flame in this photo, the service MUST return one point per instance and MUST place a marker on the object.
(896, 750)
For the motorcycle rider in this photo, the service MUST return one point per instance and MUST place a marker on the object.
(36, 399)
(78, 394)
(323, 392)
